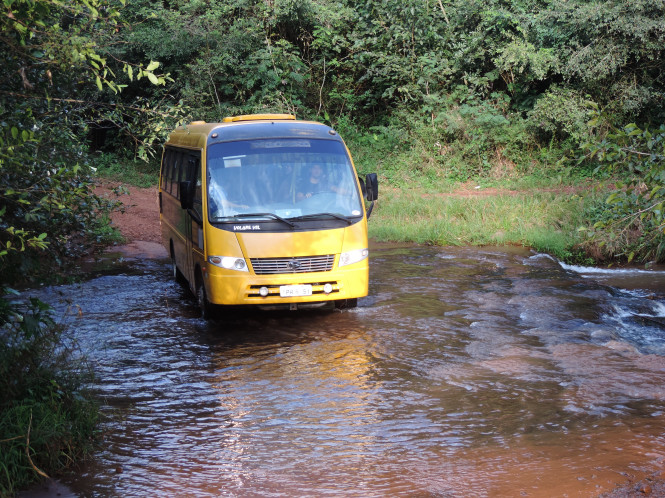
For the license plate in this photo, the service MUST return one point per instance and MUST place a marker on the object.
(295, 290)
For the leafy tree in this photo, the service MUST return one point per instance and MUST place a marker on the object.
(52, 53)
(611, 50)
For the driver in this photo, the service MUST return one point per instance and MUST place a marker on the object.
(315, 183)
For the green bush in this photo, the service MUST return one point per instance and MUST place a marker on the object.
(631, 223)
(47, 420)
(561, 114)
(47, 200)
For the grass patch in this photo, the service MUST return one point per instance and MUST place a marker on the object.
(547, 222)
(128, 171)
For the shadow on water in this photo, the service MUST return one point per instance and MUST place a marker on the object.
(466, 372)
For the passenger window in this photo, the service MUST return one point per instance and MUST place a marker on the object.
(175, 174)
(195, 176)
(166, 170)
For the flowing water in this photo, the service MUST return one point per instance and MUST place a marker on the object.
(466, 372)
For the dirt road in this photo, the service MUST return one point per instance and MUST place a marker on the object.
(138, 222)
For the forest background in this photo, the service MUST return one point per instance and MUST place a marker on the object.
(429, 93)
(560, 101)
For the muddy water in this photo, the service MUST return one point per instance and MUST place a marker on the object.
(466, 372)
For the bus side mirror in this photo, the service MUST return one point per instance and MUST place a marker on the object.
(186, 195)
(363, 189)
(372, 187)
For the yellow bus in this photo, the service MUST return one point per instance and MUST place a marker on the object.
(267, 211)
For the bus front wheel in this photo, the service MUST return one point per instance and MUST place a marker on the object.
(204, 304)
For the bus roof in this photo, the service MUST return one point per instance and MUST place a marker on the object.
(198, 134)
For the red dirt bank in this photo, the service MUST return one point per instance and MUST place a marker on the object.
(139, 221)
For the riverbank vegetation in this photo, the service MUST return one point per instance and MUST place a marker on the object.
(47, 421)
(525, 95)
(430, 93)
(49, 214)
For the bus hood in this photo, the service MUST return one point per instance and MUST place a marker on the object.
(290, 244)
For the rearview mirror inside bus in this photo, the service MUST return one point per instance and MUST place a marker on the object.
(186, 195)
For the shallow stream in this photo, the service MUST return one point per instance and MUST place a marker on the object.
(466, 372)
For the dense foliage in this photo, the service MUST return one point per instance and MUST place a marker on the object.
(543, 60)
(55, 83)
(54, 63)
(633, 221)
(472, 88)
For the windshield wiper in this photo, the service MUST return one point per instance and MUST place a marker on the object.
(318, 216)
(257, 215)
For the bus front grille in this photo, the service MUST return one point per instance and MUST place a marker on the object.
(304, 264)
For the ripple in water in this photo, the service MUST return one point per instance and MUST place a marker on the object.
(462, 369)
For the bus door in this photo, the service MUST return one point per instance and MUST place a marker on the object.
(193, 222)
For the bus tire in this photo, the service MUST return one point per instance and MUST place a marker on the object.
(177, 274)
(204, 305)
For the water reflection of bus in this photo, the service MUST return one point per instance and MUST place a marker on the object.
(265, 210)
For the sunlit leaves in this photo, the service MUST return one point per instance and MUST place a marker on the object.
(55, 54)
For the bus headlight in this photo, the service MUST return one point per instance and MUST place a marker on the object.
(228, 262)
(351, 257)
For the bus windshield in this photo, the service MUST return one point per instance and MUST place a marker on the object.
(285, 178)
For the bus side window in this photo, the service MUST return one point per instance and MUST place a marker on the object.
(166, 170)
(175, 173)
(169, 179)
(195, 176)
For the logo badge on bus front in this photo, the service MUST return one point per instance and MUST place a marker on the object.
(295, 265)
